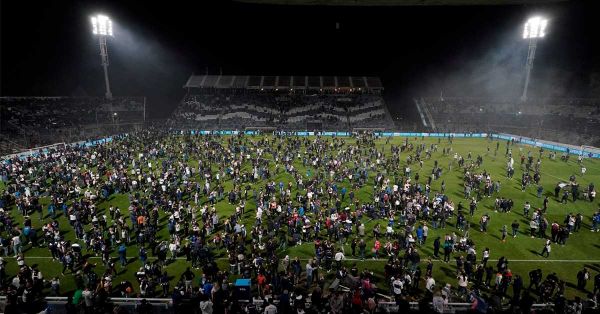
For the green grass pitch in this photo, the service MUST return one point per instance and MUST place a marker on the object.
(582, 248)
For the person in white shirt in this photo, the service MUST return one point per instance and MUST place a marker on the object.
(546, 249)
(270, 309)
(397, 286)
(88, 298)
(206, 305)
(439, 303)
(429, 283)
(16, 245)
(309, 273)
(463, 282)
(389, 232)
(339, 257)
(486, 256)
(173, 249)
(36, 275)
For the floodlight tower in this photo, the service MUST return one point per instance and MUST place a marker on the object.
(102, 27)
(534, 29)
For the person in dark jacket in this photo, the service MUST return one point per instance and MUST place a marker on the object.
(517, 286)
(436, 247)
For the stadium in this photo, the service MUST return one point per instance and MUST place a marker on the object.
(300, 157)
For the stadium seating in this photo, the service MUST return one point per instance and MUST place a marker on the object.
(574, 121)
(292, 112)
(37, 121)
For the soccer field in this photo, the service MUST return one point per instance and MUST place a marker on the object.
(582, 248)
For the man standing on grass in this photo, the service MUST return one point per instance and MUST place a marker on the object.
(533, 226)
(16, 245)
(546, 249)
(339, 257)
(68, 263)
(517, 287)
(483, 223)
(515, 228)
(188, 277)
(362, 248)
(173, 250)
(472, 207)
(143, 256)
(554, 231)
(595, 222)
(485, 257)
(582, 277)
(447, 251)
(436, 247)
(545, 206)
(123, 254)
(309, 273)
(565, 197)
(535, 277)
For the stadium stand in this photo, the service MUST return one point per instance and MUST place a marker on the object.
(284, 82)
(574, 121)
(358, 82)
(314, 82)
(283, 102)
(299, 82)
(269, 82)
(225, 81)
(239, 81)
(36, 121)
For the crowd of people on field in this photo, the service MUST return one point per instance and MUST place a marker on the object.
(243, 206)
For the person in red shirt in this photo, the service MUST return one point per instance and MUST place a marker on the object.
(554, 231)
(376, 248)
(357, 301)
(262, 281)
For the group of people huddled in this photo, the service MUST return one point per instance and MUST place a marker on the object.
(186, 183)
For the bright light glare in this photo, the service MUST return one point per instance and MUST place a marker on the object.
(102, 25)
(535, 27)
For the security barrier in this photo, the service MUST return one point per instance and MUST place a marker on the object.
(589, 152)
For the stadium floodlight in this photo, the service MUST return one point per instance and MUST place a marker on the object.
(102, 27)
(534, 28)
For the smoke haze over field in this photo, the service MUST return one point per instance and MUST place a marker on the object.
(462, 51)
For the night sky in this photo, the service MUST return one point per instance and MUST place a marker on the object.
(47, 47)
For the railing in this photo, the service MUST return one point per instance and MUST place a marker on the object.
(588, 151)
(57, 303)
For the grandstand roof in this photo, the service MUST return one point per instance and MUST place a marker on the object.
(284, 82)
(398, 2)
